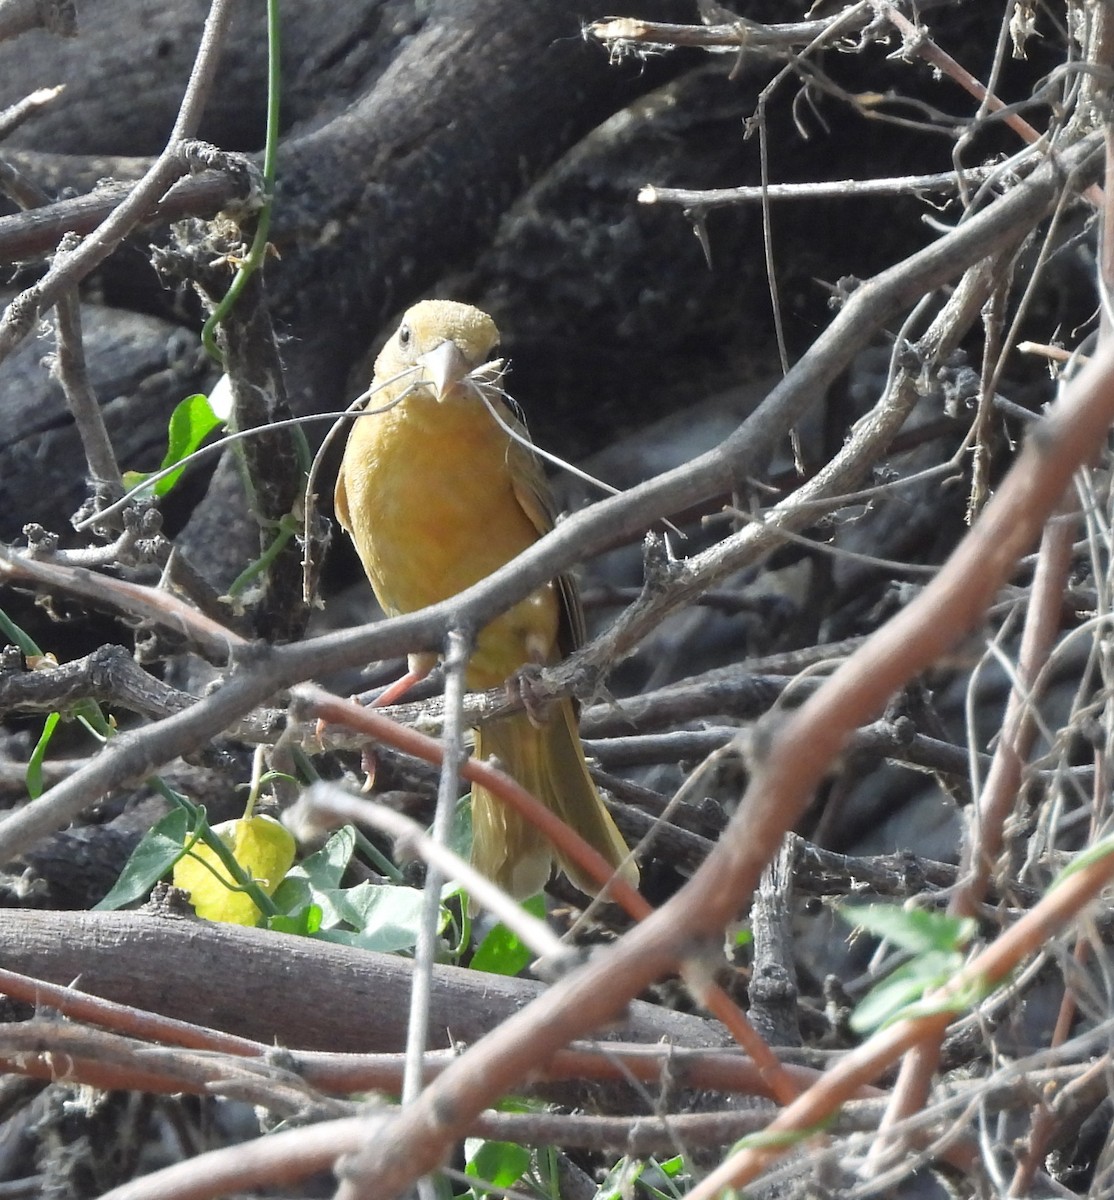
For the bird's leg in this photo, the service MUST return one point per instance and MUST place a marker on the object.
(527, 688)
(418, 667)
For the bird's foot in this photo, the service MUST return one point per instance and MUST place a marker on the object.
(527, 686)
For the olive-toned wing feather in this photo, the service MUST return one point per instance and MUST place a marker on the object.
(532, 492)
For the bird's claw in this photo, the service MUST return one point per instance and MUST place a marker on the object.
(528, 688)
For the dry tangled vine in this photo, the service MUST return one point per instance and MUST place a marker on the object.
(873, 394)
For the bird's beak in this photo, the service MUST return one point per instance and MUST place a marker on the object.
(445, 367)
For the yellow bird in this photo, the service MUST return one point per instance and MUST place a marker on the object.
(436, 496)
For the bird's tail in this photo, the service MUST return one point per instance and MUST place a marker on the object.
(547, 761)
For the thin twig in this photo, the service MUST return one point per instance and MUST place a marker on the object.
(839, 189)
(458, 650)
(630, 35)
(583, 533)
(88, 417)
(31, 235)
(70, 361)
(800, 752)
(14, 116)
(155, 604)
(985, 833)
(71, 267)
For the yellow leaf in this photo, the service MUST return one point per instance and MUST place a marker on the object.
(262, 847)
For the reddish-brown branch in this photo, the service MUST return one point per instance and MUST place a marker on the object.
(867, 310)
(799, 753)
(313, 703)
(986, 827)
(992, 967)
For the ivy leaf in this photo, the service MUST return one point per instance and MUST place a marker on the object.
(934, 939)
(262, 846)
(34, 775)
(159, 850)
(500, 1164)
(916, 930)
(191, 422)
(383, 917)
(501, 953)
(303, 923)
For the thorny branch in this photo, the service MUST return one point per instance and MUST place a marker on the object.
(809, 725)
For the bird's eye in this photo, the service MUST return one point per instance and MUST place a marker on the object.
(404, 336)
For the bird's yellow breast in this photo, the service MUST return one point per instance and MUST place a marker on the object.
(432, 509)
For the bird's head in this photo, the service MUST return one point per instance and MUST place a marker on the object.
(442, 343)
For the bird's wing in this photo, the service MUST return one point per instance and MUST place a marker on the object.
(532, 492)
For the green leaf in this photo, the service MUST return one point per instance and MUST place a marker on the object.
(261, 847)
(34, 776)
(384, 917)
(500, 1164)
(956, 1001)
(547, 1172)
(460, 832)
(372, 916)
(914, 929)
(304, 923)
(901, 988)
(781, 1139)
(520, 1104)
(936, 941)
(619, 1182)
(659, 1178)
(159, 850)
(326, 867)
(191, 422)
(442, 1188)
(501, 953)
(295, 894)
(673, 1167)
(316, 879)
(17, 636)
